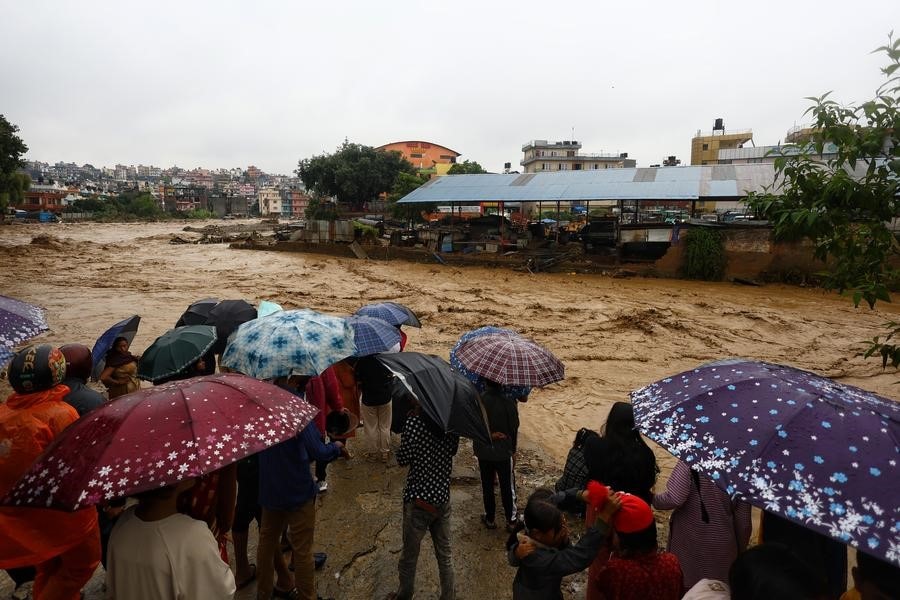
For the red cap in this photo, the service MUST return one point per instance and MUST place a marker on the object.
(634, 514)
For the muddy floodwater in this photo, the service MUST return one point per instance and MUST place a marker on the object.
(612, 334)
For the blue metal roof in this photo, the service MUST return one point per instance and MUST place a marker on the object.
(666, 183)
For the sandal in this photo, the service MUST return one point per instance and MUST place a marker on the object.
(249, 578)
(291, 594)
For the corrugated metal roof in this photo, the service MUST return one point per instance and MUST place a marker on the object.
(666, 183)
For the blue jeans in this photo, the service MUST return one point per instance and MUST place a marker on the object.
(416, 523)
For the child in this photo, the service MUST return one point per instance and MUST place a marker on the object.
(542, 550)
(638, 570)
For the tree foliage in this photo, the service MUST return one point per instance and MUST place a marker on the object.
(354, 174)
(127, 206)
(12, 148)
(704, 254)
(847, 203)
(319, 209)
(405, 184)
(466, 168)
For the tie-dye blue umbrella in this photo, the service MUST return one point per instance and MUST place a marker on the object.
(510, 391)
(290, 342)
(816, 452)
(19, 322)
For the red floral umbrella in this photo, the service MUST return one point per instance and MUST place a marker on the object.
(160, 436)
(510, 360)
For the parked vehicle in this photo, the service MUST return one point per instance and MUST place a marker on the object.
(599, 232)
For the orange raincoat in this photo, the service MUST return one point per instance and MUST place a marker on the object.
(30, 536)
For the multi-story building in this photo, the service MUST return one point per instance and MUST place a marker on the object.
(294, 201)
(183, 198)
(541, 155)
(426, 156)
(269, 201)
(253, 173)
(705, 146)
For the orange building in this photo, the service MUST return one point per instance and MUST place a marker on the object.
(424, 155)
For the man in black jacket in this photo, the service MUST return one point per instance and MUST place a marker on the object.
(497, 459)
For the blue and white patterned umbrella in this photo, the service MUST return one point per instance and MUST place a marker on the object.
(510, 391)
(814, 451)
(19, 322)
(373, 335)
(392, 312)
(290, 342)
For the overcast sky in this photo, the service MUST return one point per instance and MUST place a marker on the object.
(226, 84)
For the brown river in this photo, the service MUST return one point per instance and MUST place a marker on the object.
(613, 335)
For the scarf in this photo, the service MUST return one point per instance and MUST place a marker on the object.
(116, 359)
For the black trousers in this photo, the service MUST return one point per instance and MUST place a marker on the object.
(504, 472)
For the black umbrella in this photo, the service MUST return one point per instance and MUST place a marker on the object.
(197, 312)
(446, 397)
(227, 316)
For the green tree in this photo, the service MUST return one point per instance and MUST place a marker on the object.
(847, 203)
(319, 209)
(466, 168)
(354, 174)
(405, 184)
(12, 183)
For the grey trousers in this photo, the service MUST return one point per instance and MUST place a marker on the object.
(416, 523)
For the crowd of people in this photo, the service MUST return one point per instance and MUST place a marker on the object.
(171, 543)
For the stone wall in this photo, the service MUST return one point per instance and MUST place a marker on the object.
(752, 253)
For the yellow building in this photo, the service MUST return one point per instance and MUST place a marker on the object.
(705, 146)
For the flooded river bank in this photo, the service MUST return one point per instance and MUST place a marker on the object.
(612, 334)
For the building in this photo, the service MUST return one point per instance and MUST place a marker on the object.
(635, 195)
(294, 201)
(253, 173)
(541, 155)
(183, 198)
(424, 155)
(44, 197)
(705, 146)
(269, 201)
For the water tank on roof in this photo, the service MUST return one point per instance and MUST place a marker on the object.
(720, 125)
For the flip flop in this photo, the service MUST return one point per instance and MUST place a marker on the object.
(249, 579)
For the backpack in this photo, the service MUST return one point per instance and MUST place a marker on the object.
(575, 472)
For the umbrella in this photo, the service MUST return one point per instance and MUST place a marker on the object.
(448, 398)
(816, 452)
(227, 316)
(510, 391)
(19, 321)
(126, 328)
(174, 351)
(510, 360)
(267, 308)
(372, 335)
(290, 342)
(197, 312)
(159, 436)
(392, 312)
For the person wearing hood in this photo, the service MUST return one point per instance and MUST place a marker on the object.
(64, 546)
(79, 364)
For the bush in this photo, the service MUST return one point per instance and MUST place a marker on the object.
(199, 213)
(704, 255)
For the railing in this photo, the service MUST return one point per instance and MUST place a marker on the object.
(718, 133)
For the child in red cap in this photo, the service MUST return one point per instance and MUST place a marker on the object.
(542, 550)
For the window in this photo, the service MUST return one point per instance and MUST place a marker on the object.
(705, 146)
(446, 157)
(416, 155)
(553, 153)
(595, 166)
(545, 166)
(563, 167)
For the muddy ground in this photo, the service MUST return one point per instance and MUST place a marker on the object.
(613, 335)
